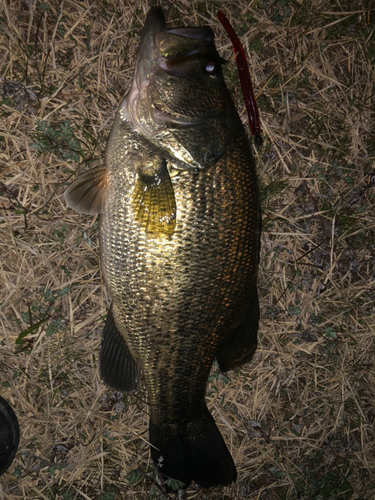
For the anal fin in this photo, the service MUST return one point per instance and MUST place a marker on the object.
(117, 367)
(241, 345)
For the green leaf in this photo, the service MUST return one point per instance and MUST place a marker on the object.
(32, 328)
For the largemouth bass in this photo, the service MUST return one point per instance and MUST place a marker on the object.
(179, 237)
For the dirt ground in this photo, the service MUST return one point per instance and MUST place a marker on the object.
(299, 419)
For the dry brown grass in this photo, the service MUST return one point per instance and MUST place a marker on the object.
(299, 419)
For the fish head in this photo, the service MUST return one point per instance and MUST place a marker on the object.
(178, 98)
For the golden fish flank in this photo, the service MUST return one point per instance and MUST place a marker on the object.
(180, 229)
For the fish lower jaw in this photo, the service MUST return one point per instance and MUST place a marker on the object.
(129, 110)
(178, 120)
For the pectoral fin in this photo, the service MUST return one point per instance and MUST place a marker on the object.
(117, 367)
(154, 201)
(86, 195)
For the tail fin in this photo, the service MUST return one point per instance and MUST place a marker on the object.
(195, 452)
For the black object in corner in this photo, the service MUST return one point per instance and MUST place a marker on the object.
(9, 435)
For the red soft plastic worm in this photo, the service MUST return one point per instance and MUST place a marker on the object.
(246, 85)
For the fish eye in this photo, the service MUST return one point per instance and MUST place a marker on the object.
(212, 68)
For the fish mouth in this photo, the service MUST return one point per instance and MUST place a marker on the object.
(157, 40)
(195, 40)
(178, 60)
(173, 50)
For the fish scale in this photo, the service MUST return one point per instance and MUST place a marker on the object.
(222, 244)
(179, 244)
